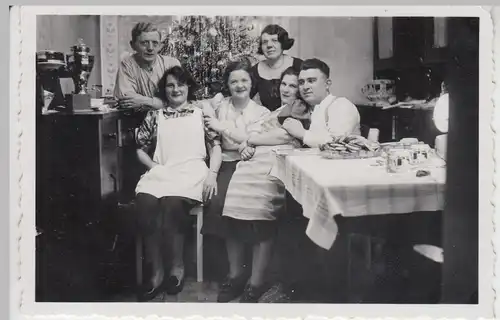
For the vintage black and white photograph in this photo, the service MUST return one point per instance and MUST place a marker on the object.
(200, 158)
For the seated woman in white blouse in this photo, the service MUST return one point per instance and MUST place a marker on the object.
(331, 116)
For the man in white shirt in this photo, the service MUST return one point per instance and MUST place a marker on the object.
(331, 116)
(297, 277)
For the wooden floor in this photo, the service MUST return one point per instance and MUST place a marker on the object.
(193, 292)
(74, 269)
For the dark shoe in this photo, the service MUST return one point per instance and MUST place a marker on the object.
(251, 294)
(173, 285)
(276, 294)
(231, 289)
(148, 292)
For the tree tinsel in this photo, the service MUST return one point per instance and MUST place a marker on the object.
(204, 45)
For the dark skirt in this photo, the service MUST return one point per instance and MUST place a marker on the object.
(247, 231)
(213, 224)
(166, 214)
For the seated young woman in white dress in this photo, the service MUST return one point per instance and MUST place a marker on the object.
(172, 144)
(249, 198)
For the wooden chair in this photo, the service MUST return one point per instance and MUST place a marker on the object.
(196, 211)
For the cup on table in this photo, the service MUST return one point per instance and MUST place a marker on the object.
(373, 134)
(398, 160)
(420, 153)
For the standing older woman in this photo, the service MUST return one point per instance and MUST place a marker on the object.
(251, 198)
(172, 145)
(138, 74)
(274, 40)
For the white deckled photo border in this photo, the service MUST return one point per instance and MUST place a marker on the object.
(22, 175)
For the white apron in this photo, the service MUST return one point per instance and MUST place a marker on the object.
(180, 152)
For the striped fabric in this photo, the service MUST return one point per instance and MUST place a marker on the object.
(355, 187)
(253, 194)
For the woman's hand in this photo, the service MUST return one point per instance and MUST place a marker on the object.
(210, 186)
(213, 123)
(247, 153)
(216, 100)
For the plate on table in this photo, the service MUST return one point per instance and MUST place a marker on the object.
(361, 154)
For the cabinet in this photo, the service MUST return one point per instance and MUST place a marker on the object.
(86, 166)
(436, 40)
(398, 123)
(383, 43)
(409, 42)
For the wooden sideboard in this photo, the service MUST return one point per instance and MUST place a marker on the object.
(86, 165)
(397, 123)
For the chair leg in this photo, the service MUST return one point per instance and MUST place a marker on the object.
(138, 260)
(199, 247)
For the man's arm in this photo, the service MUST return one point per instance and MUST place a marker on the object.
(343, 119)
(270, 138)
(126, 89)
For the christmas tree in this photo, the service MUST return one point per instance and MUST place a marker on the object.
(205, 45)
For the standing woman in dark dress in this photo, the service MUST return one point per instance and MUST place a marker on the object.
(274, 41)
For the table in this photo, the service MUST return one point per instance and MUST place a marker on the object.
(354, 187)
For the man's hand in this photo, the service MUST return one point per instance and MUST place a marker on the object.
(134, 101)
(294, 128)
(247, 153)
(210, 186)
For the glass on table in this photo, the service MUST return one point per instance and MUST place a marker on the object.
(398, 160)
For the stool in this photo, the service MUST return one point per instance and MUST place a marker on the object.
(196, 211)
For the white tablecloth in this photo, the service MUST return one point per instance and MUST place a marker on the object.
(357, 187)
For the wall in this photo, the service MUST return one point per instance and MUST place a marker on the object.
(126, 23)
(60, 32)
(344, 43)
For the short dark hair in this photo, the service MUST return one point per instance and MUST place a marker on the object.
(289, 71)
(141, 27)
(283, 38)
(242, 63)
(293, 72)
(315, 63)
(183, 76)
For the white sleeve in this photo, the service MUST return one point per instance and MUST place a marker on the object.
(314, 139)
(343, 117)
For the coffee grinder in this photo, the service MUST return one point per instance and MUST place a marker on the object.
(52, 66)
